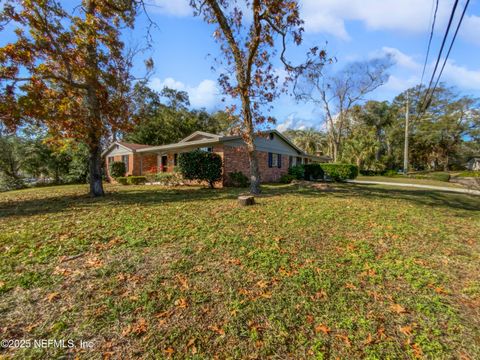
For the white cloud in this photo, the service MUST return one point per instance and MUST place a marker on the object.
(329, 16)
(400, 58)
(205, 94)
(470, 29)
(294, 122)
(398, 84)
(461, 76)
(172, 7)
(453, 74)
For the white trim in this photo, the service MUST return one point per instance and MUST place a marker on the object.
(179, 145)
(110, 147)
(209, 135)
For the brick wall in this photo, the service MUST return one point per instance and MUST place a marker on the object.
(149, 163)
(236, 159)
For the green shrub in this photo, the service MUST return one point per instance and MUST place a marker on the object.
(469, 174)
(441, 177)
(117, 169)
(136, 180)
(287, 178)
(201, 165)
(169, 178)
(390, 173)
(238, 179)
(438, 176)
(297, 171)
(339, 172)
(122, 180)
(313, 172)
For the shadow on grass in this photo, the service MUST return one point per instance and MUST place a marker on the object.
(143, 196)
(433, 198)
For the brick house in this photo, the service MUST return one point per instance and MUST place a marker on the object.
(275, 152)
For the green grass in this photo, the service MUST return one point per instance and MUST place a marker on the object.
(151, 272)
(407, 180)
(468, 174)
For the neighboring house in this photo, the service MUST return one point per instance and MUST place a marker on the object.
(275, 153)
(474, 164)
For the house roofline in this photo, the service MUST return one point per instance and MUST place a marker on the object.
(195, 133)
(179, 145)
(214, 139)
(110, 147)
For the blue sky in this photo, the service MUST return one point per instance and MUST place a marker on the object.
(354, 30)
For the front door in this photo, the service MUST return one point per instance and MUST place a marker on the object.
(164, 163)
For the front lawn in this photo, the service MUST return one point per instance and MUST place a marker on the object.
(150, 272)
(407, 180)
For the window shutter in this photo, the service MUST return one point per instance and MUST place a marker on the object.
(279, 161)
(269, 160)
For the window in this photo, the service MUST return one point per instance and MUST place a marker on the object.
(111, 159)
(125, 161)
(175, 159)
(274, 160)
(207, 149)
(299, 160)
(271, 136)
(290, 161)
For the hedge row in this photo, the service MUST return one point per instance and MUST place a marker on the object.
(339, 172)
(131, 180)
(336, 172)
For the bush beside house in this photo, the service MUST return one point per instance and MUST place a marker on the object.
(336, 172)
(238, 179)
(117, 169)
(340, 172)
(201, 165)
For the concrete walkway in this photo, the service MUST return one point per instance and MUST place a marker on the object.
(428, 187)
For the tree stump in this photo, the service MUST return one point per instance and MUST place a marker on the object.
(246, 200)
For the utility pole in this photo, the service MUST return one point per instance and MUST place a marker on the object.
(405, 150)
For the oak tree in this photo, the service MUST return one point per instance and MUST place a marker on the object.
(68, 71)
(251, 34)
(337, 93)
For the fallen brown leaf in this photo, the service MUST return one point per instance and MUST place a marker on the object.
(217, 329)
(183, 282)
(369, 339)
(140, 327)
(417, 351)
(399, 309)
(350, 286)
(322, 328)
(406, 330)
(169, 351)
(345, 339)
(181, 303)
(53, 296)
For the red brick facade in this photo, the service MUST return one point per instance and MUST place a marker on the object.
(234, 159)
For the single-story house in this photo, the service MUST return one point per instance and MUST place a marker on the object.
(474, 164)
(276, 153)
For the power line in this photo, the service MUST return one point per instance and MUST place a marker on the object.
(451, 45)
(430, 40)
(452, 14)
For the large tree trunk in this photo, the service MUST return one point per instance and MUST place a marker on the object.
(335, 148)
(254, 172)
(251, 149)
(93, 104)
(95, 167)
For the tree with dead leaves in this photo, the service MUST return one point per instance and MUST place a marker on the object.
(338, 93)
(248, 32)
(68, 71)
